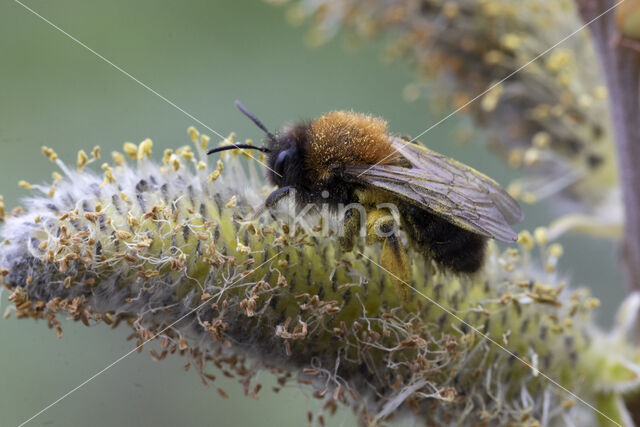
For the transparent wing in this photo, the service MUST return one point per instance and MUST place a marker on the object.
(447, 188)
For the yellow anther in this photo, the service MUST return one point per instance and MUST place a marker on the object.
(247, 153)
(531, 156)
(493, 57)
(185, 152)
(24, 184)
(204, 141)
(193, 133)
(175, 162)
(558, 60)
(95, 153)
(510, 41)
(132, 220)
(540, 235)
(130, 149)
(556, 250)
(526, 240)
(51, 155)
(242, 248)
(123, 235)
(144, 149)
(118, 158)
(585, 100)
(592, 303)
(231, 203)
(515, 158)
(541, 140)
(490, 100)
(108, 175)
(82, 161)
(230, 140)
(600, 93)
(167, 156)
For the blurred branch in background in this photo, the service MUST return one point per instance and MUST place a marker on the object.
(619, 60)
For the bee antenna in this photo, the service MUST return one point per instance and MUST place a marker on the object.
(254, 119)
(238, 146)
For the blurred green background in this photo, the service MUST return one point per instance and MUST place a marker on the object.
(202, 55)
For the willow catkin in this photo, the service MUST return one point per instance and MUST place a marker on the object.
(172, 251)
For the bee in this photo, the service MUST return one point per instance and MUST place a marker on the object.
(447, 209)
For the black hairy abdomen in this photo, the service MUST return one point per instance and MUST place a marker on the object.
(449, 245)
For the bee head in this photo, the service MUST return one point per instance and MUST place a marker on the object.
(284, 152)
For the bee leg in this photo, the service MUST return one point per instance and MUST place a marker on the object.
(381, 227)
(272, 200)
(394, 259)
(350, 230)
(277, 195)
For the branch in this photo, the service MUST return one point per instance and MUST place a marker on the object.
(620, 63)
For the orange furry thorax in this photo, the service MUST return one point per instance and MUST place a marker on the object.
(347, 138)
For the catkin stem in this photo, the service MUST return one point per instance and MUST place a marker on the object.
(621, 67)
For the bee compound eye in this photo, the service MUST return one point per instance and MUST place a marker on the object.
(281, 161)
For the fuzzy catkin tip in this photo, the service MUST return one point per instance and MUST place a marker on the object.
(173, 252)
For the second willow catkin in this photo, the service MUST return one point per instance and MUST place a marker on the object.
(172, 251)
